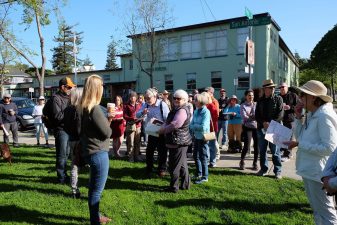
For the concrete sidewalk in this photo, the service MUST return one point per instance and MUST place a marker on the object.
(227, 160)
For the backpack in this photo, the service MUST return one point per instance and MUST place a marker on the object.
(48, 115)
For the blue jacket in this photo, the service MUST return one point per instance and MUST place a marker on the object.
(201, 122)
(234, 119)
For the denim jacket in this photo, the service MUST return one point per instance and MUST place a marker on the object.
(201, 122)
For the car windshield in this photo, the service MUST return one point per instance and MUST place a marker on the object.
(25, 103)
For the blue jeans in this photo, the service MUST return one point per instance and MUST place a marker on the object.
(62, 154)
(212, 152)
(222, 124)
(275, 151)
(200, 154)
(99, 168)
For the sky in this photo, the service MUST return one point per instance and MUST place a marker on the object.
(303, 22)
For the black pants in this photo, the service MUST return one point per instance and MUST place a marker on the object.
(178, 168)
(153, 144)
(246, 143)
(286, 152)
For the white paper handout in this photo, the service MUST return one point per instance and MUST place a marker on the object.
(277, 134)
(153, 126)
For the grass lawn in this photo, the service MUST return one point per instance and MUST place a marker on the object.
(29, 195)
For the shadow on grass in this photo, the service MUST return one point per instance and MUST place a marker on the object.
(133, 186)
(237, 205)
(14, 214)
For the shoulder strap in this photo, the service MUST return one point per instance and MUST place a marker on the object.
(161, 109)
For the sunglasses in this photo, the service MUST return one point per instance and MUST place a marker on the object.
(6, 98)
(176, 98)
(282, 87)
(302, 94)
(67, 87)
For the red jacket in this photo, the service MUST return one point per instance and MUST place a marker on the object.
(129, 113)
(214, 115)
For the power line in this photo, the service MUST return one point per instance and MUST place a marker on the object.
(209, 9)
(203, 11)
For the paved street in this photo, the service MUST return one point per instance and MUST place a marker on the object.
(226, 161)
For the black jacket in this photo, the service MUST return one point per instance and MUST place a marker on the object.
(60, 102)
(290, 99)
(223, 103)
(268, 109)
(4, 108)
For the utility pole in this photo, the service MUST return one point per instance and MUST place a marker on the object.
(75, 52)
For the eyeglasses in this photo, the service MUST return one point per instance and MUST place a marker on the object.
(176, 98)
(250, 95)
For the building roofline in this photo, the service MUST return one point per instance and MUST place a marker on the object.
(208, 24)
(124, 55)
(91, 71)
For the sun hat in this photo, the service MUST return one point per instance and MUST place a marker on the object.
(268, 83)
(234, 97)
(317, 89)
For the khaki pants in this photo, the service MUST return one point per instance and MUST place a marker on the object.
(234, 132)
(133, 143)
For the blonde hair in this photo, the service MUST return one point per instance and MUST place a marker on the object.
(207, 96)
(76, 96)
(92, 92)
(202, 99)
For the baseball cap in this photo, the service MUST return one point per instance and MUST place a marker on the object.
(41, 98)
(66, 81)
(7, 96)
(222, 90)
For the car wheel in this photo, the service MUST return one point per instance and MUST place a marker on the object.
(20, 127)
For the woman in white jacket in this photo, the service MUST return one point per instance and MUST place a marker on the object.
(316, 138)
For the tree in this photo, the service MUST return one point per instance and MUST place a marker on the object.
(34, 11)
(7, 56)
(147, 17)
(111, 56)
(324, 57)
(63, 55)
(87, 62)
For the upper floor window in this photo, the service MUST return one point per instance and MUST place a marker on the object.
(169, 82)
(242, 35)
(191, 46)
(106, 78)
(216, 79)
(191, 81)
(131, 64)
(243, 82)
(169, 49)
(216, 43)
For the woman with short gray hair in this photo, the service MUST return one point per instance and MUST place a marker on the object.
(177, 140)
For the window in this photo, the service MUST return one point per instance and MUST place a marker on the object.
(191, 81)
(169, 49)
(243, 82)
(131, 64)
(280, 59)
(106, 78)
(191, 46)
(242, 35)
(169, 82)
(216, 43)
(216, 79)
(285, 60)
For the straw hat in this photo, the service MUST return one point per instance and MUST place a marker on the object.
(268, 83)
(315, 88)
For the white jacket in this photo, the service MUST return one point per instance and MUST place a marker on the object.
(316, 141)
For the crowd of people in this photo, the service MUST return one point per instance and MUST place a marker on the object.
(190, 122)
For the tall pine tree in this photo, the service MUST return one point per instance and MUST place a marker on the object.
(111, 56)
(63, 53)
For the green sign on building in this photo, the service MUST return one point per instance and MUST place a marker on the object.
(252, 22)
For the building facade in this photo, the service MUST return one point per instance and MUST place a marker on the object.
(198, 56)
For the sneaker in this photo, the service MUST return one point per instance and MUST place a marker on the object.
(202, 180)
(255, 167)
(194, 178)
(278, 176)
(212, 165)
(261, 173)
(104, 219)
(285, 159)
(76, 193)
(170, 190)
(242, 165)
(131, 159)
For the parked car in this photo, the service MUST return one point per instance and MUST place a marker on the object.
(25, 110)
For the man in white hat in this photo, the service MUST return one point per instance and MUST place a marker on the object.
(269, 107)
